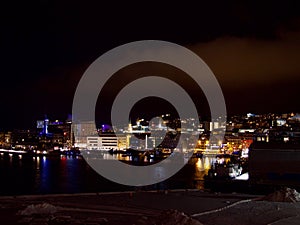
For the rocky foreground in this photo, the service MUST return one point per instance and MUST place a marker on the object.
(153, 208)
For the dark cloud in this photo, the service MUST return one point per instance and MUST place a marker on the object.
(246, 61)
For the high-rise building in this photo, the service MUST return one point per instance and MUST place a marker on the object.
(55, 133)
(83, 130)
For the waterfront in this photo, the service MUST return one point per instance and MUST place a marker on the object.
(65, 174)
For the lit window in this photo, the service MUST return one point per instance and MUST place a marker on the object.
(258, 138)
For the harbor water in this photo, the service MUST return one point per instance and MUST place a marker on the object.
(71, 174)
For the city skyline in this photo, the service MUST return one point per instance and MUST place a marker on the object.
(252, 49)
(202, 128)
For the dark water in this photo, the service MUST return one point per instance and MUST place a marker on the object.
(48, 175)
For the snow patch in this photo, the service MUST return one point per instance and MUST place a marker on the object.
(43, 208)
(284, 195)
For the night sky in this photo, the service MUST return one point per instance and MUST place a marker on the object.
(45, 46)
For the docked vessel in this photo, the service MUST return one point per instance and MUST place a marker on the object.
(225, 167)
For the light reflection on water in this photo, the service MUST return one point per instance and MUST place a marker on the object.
(73, 175)
(202, 165)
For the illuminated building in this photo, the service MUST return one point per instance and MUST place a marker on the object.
(43, 125)
(55, 134)
(5, 139)
(61, 133)
(83, 130)
(24, 139)
(107, 142)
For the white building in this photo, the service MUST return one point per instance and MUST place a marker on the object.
(106, 142)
